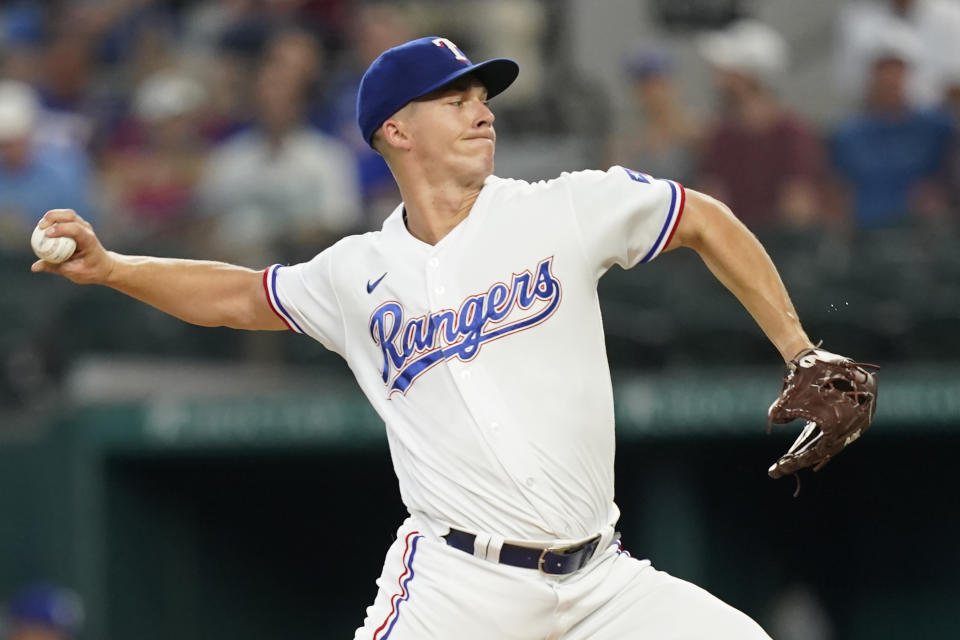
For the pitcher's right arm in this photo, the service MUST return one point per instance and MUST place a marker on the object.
(206, 293)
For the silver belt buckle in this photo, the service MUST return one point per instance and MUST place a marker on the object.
(543, 557)
(562, 551)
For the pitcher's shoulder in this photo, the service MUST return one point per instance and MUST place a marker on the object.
(515, 187)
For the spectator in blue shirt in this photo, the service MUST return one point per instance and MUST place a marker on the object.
(34, 178)
(894, 158)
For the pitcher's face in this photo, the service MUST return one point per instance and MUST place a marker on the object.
(452, 130)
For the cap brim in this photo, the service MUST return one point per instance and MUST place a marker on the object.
(496, 75)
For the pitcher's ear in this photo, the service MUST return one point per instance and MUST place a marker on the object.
(395, 133)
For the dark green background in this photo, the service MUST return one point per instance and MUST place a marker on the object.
(242, 532)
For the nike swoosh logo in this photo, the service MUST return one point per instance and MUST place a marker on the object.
(372, 286)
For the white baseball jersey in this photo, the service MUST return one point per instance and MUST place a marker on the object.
(484, 354)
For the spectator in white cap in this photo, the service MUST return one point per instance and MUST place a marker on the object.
(33, 177)
(761, 158)
(151, 172)
(934, 25)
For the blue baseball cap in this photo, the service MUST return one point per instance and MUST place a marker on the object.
(414, 69)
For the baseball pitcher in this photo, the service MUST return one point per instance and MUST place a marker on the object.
(472, 324)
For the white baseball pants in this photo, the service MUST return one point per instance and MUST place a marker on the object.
(430, 591)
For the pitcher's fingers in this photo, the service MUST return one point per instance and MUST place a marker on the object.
(69, 229)
(42, 266)
(59, 215)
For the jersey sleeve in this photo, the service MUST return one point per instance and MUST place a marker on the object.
(303, 297)
(625, 217)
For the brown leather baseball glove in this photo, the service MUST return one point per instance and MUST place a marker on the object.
(835, 395)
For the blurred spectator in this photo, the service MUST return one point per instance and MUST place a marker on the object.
(34, 177)
(375, 28)
(661, 134)
(762, 159)
(798, 613)
(66, 73)
(151, 172)
(246, 26)
(950, 100)
(44, 612)
(134, 35)
(299, 53)
(206, 21)
(950, 105)
(520, 27)
(226, 77)
(934, 24)
(226, 69)
(280, 183)
(22, 31)
(21, 21)
(894, 157)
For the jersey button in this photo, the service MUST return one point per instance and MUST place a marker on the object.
(530, 482)
(495, 426)
(434, 262)
(440, 290)
(465, 375)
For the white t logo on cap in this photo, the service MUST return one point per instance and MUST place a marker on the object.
(443, 42)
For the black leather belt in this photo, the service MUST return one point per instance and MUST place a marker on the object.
(552, 560)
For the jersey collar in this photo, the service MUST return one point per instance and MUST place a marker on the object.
(395, 224)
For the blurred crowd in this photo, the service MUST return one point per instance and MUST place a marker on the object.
(225, 128)
(891, 160)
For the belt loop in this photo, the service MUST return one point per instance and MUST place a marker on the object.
(480, 545)
(486, 546)
(493, 548)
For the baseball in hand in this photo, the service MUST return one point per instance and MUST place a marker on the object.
(48, 249)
